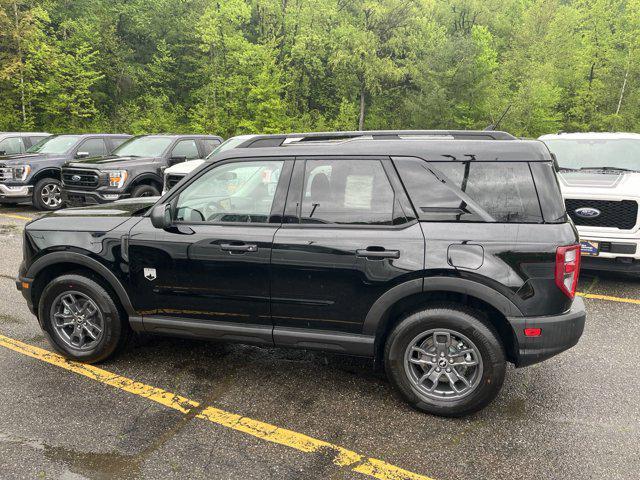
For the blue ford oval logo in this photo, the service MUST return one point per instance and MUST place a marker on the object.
(76, 178)
(587, 212)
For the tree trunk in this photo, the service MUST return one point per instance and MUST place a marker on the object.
(21, 70)
(362, 109)
(624, 84)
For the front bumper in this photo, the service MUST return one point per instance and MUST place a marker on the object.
(81, 198)
(24, 285)
(15, 193)
(559, 333)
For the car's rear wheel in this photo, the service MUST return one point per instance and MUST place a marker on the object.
(445, 360)
(47, 194)
(145, 191)
(81, 319)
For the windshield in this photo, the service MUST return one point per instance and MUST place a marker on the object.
(232, 142)
(143, 147)
(59, 144)
(596, 153)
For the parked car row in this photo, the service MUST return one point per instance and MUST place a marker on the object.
(89, 169)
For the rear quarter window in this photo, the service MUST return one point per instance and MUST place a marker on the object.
(471, 191)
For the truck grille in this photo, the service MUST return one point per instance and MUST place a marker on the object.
(80, 178)
(6, 173)
(613, 214)
(173, 179)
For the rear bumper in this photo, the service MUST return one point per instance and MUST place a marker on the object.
(559, 333)
(81, 198)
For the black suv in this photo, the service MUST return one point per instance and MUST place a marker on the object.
(135, 169)
(442, 257)
(35, 175)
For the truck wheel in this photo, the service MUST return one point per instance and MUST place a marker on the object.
(46, 194)
(81, 319)
(445, 360)
(145, 191)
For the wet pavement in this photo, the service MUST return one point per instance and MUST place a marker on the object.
(574, 416)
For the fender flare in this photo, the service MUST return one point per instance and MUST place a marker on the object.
(146, 176)
(46, 172)
(482, 292)
(83, 261)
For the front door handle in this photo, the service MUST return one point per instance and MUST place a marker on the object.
(245, 247)
(374, 253)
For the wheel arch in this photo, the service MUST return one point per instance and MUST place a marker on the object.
(48, 172)
(146, 179)
(419, 293)
(58, 263)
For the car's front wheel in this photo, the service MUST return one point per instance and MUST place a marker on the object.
(46, 194)
(445, 360)
(81, 319)
(145, 191)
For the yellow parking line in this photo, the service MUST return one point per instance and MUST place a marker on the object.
(18, 217)
(609, 298)
(341, 456)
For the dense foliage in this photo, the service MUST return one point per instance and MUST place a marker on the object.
(242, 66)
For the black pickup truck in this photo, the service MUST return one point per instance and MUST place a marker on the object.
(135, 169)
(35, 175)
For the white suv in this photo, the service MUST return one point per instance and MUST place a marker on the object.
(599, 174)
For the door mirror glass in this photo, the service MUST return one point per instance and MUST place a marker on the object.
(161, 216)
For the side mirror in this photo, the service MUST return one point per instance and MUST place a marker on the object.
(177, 159)
(82, 154)
(161, 216)
(2, 152)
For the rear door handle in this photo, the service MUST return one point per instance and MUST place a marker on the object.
(246, 247)
(373, 254)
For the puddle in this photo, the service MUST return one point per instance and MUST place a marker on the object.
(95, 465)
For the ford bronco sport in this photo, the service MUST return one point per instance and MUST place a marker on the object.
(35, 175)
(443, 255)
(600, 179)
(132, 170)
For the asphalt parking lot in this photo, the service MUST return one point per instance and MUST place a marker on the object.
(206, 410)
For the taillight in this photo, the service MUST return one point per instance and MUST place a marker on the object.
(568, 269)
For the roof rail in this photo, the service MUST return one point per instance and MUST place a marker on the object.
(277, 140)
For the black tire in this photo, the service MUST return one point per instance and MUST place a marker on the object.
(116, 329)
(145, 191)
(40, 194)
(456, 318)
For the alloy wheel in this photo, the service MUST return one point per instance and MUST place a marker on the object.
(443, 364)
(77, 320)
(50, 195)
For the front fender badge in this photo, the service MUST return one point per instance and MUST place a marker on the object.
(150, 274)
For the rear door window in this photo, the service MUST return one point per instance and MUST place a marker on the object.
(209, 145)
(471, 191)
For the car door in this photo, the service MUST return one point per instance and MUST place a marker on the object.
(349, 235)
(212, 265)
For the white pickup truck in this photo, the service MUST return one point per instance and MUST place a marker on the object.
(599, 175)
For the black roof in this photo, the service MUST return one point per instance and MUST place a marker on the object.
(436, 148)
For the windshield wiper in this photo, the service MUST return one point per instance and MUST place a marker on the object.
(615, 169)
(567, 169)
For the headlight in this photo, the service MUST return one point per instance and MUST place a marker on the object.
(21, 172)
(117, 178)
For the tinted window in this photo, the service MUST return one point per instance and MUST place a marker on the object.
(471, 191)
(347, 192)
(94, 146)
(186, 148)
(11, 146)
(149, 146)
(36, 140)
(234, 192)
(209, 145)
